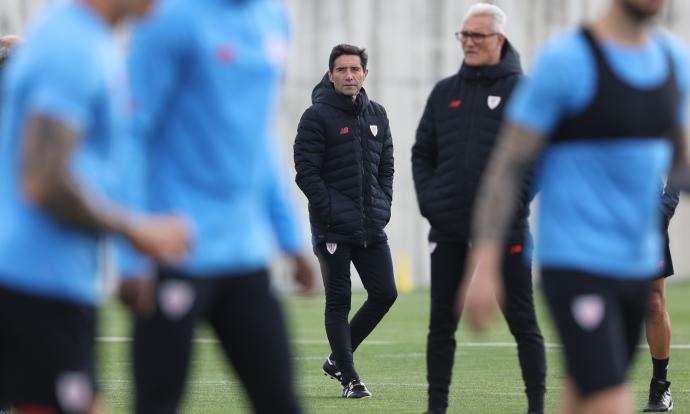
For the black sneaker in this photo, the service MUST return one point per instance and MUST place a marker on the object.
(356, 389)
(659, 397)
(331, 370)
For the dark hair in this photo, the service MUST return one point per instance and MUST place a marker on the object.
(344, 49)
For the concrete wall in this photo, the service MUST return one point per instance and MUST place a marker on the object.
(411, 46)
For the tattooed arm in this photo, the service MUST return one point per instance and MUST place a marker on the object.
(510, 164)
(48, 182)
(494, 209)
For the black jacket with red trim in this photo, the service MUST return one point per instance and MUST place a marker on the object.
(454, 140)
(344, 161)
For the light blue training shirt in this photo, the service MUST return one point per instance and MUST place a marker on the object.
(600, 198)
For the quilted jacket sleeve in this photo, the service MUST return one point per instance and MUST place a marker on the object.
(424, 152)
(386, 165)
(309, 149)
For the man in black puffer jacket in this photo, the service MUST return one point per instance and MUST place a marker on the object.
(454, 140)
(344, 162)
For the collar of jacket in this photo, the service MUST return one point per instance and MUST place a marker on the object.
(324, 92)
(508, 65)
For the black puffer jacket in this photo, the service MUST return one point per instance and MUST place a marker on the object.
(454, 140)
(344, 162)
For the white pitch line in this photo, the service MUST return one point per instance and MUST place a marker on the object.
(120, 339)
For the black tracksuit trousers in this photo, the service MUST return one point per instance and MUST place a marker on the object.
(248, 321)
(447, 268)
(375, 268)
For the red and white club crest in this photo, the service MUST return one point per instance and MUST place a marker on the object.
(176, 298)
(588, 311)
(73, 390)
(493, 101)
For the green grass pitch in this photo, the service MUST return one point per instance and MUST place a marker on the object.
(486, 376)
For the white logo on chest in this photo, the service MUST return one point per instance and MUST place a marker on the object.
(493, 101)
(374, 129)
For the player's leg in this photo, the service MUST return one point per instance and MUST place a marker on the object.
(522, 320)
(658, 328)
(447, 267)
(247, 319)
(616, 400)
(658, 332)
(163, 342)
(613, 400)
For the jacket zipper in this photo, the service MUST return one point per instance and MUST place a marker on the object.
(470, 135)
(364, 158)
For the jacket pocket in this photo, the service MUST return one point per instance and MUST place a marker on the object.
(344, 215)
(320, 217)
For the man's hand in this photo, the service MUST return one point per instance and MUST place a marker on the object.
(165, 239)
(139, 295)
(482, 286)
(303, 273)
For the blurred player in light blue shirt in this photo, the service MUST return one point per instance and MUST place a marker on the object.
(205, 76)
(64, 133)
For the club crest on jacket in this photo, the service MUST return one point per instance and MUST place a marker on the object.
(493, 101)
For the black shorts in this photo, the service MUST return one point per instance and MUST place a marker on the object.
(46, 352)
(599, 320)
(666, 267)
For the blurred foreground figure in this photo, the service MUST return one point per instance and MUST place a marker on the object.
(7, 43)
(455, 138)
(605, 108)
(63, 130)
(205, 76)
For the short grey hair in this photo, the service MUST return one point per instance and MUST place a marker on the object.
(498, 17)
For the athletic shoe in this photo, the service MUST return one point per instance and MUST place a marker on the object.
(659, 397)
(331, 370)
(356, 389)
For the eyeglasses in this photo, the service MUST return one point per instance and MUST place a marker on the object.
(476, 37)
